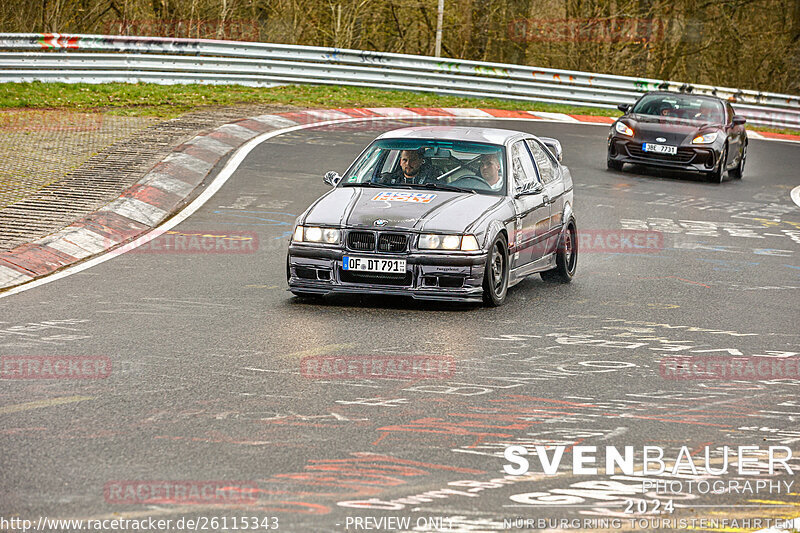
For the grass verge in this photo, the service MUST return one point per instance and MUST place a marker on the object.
(167, 101)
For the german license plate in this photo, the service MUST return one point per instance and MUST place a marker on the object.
(373, 264)
(660, 148)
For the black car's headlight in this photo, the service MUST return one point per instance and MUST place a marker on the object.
(624, 129)
(317, 234)
(706, 138)
(433, 241)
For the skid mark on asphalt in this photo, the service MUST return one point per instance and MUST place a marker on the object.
(680, 279)
(43, 403)
(321, 350)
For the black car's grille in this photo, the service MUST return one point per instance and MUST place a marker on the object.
(363, 241)
(376, 278)
(684, 155)
(392, 242)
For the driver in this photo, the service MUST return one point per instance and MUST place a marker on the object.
(414, 168)
(490, 170)
(666, 110)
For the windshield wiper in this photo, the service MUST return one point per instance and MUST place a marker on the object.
(367, 184)
(443, 187)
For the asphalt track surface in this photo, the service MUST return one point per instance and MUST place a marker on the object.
(206, 351)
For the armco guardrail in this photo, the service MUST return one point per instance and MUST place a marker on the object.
(102, 58)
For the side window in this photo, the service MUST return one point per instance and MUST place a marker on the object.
(522, 167)
(544, 164)
(730, 112)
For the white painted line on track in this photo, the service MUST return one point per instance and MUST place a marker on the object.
(795, 194)
(216, 184)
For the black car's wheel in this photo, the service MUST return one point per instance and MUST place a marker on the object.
(718, 174)
(614, 165)
(566, 256)
(495, 277)
(736, 173)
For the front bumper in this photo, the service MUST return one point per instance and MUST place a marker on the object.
(698, 158)
(429, 276)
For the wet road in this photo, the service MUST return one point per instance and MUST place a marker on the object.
(206, 352)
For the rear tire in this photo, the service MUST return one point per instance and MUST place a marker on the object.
(566, 257)
(737, 172)
(614, 165)
(495, 276)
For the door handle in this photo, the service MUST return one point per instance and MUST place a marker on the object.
(545, 199)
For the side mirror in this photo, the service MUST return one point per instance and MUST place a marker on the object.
(332, 178)
(624, 107)
(533, 188)
(554, 146)
(739, 120)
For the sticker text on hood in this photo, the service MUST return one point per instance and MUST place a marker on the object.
(418, 197)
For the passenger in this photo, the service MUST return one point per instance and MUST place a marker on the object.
(708, 112)
(490, 170)
(414, 168)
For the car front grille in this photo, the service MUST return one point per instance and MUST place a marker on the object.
(684, 155)
(363, 241)
(392, 242)
(370, 241)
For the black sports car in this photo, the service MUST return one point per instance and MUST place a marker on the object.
(680, 131)
(444, 213)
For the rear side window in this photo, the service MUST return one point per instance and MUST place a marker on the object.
(544, 164)
(522, 167)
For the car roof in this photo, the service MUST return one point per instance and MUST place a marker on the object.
(453, 133)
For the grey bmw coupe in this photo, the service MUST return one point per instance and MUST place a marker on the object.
(440, 213)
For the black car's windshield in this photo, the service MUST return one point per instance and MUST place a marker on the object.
(428, 163)
(681, 106)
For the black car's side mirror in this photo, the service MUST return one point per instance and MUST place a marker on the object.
(739, 120)
(624, 107)
(332, 178)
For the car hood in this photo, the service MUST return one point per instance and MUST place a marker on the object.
(674, 130)
(429, 210)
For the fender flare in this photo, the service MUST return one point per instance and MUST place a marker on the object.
(567, 215)
(494, 228)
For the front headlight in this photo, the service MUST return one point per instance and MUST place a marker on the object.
(464, 243)
(706, 138)
(623, 128)
(315, 234)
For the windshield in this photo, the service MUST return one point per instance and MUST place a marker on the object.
(681, 106)
(427, 163)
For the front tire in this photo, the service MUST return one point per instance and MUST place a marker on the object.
(495, 276)
(566, 257)
(737, 172)
(614, 165)
(718, 174)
